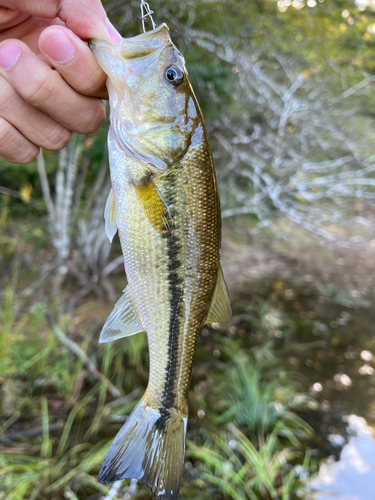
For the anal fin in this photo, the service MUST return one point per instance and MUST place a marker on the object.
(220, 310)
(122, 322)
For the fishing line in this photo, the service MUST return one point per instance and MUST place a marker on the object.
(146, 12)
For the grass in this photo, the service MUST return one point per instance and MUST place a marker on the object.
(241, 470)
(53, 415)
(257, 394)
(54, 468)
(57, 420)
(258, 448)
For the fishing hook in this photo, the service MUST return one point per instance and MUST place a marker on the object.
(145, 13)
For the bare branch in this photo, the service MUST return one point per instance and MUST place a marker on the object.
(72, 346)
(45, 187)
(16, 194)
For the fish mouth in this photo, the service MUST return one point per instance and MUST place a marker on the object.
(129, 48)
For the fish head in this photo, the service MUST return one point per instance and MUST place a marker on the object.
(153, 109)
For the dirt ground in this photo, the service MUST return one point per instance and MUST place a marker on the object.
(290, 252)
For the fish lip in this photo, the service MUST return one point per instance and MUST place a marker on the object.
(103, 51)
(99, 46)
(112, 57)
(151, 38)
(152, 34)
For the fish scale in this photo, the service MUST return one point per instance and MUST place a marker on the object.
(164, 204)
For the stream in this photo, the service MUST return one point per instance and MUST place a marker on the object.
(329, 340)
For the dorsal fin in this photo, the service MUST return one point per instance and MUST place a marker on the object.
(110, 216)
(122, 322)
(220, 310)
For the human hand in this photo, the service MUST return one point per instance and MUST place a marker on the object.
(50, 83)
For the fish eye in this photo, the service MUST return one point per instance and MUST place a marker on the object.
(174, 75)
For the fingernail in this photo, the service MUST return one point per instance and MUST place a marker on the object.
(112, 32)
(58, 46)
(9, 54)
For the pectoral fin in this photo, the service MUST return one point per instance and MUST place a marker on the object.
(220, 310)
(122, 322)
(110, 216)
(155, 208)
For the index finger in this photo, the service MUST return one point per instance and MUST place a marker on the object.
(86, 18)
(43, 88)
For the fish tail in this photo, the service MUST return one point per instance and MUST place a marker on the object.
(150, 447)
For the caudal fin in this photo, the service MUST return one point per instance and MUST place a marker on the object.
(149, 447)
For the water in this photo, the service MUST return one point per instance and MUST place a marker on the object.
(330, 343)
(352, 476)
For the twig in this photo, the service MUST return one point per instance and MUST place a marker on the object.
(126, 493)
(125, 399)
(131, 489)
(20, 451)
(39, 430)
(100, 184)
(16, 194)
(112, 494)
(80, 184)
(109, 289)
(43, 275)
(70, 344)
(113, 265)
(45, 186)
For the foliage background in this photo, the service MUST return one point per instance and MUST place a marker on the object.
(287, 91)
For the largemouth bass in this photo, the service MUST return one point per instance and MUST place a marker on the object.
(165, 206)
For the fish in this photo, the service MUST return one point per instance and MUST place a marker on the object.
(165, 206)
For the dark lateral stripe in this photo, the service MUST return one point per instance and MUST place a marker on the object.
(175, 292)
